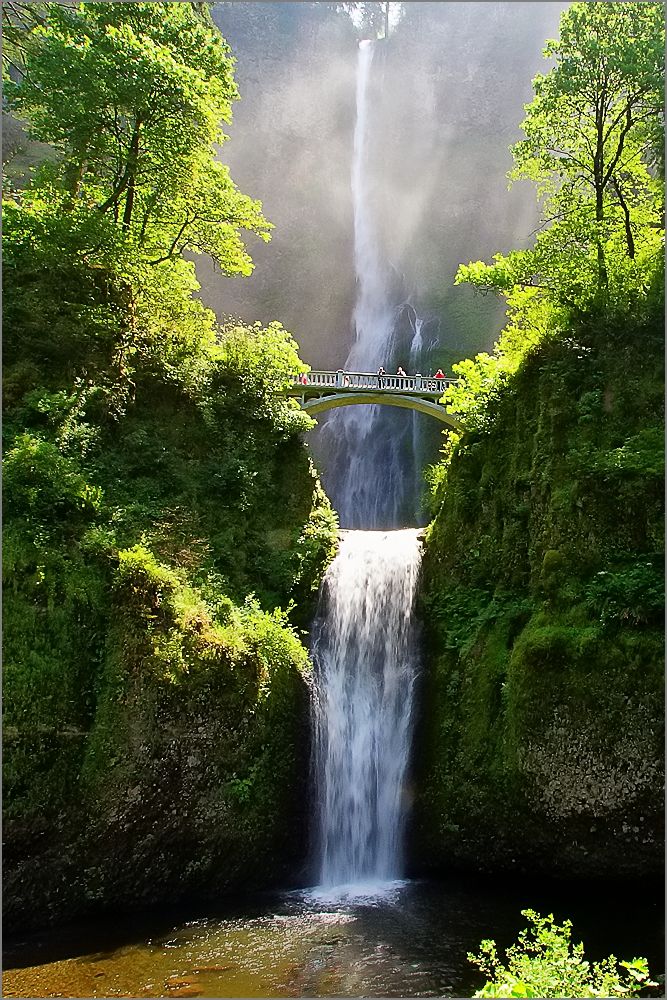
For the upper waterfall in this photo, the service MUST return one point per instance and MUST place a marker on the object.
(373, 314)
(370, 469)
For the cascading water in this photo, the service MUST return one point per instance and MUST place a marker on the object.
(369, 448)
(365, 655)
(373, 313)
(364, 638)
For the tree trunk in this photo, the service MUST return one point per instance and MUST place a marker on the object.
(629, 238)
(132, 162)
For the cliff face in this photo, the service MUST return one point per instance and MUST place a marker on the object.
(541, 745)
(156, 733)
(175, 766)
(156, 518)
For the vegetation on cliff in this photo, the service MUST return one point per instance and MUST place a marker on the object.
(543, 573)
(160, 507)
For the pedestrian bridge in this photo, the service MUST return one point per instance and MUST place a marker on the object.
(321, 391)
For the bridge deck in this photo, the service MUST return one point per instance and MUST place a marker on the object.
(320, 383)
(321, 391)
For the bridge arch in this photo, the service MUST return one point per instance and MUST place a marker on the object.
(333, 401)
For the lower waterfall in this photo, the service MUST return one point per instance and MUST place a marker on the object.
(365, 666)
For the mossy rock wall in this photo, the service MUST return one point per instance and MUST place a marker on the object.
(540, 745)
(181, 773)
(155, 697)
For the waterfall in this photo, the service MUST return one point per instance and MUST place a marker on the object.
(373, 312)
(365, 658)
(364, 645)
(369, 450)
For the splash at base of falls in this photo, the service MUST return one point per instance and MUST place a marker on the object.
(355, 893)
(366, 658)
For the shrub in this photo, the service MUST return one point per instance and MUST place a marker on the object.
(545, 963)
(40, 482)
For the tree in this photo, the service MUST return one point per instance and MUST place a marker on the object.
(19, 20)
(592, 132)
(133, 96)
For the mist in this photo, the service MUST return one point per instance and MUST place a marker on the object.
(448, 96)
(443, 104)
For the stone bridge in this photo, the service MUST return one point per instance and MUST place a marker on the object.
(321, 391)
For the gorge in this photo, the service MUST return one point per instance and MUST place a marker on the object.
(269, 737)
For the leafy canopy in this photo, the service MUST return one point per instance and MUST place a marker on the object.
(593, 131)
(132, 97)
(545, 963)
(125, 402)
(592, 135)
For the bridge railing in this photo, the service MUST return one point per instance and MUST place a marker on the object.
(370, 380)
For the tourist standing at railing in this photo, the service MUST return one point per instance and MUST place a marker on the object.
(381, 375)
(439, 374)
(401, 372)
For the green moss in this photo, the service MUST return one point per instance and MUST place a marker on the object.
(194, 744)
(542, 595)
(159, 509)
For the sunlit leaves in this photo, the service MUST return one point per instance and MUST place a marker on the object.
(591, 134)
(259, 363)
(133, 96)
(590, 148)
(481, 379)
(591, 129)
(546, 963)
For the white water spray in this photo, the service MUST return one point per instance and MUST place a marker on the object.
(368, 447)
(365, 655)
(371, 470)
(373, 313)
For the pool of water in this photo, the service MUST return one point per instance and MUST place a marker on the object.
(407, 939)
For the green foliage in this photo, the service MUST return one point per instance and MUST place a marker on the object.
(531, 321)
(258, 364)
(631, 596)
(19, 22)
(592, 132)
(40, 483)
(132, 97)
(543, 595)
(590, 136)
(546, 963)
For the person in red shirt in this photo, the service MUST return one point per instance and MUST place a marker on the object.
(439, 373)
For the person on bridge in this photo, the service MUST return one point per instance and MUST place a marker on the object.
(439, 373)
(303, 379)
(381, 374)
(400, 372)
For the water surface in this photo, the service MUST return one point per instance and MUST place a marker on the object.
(406, 939)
